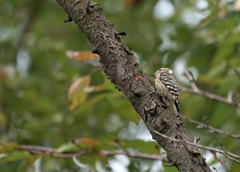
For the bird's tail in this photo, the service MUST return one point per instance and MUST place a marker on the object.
(176, 107)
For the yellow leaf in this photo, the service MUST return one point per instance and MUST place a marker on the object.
(77, 93)
(81, 55)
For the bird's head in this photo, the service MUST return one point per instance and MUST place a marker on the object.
(163, 70)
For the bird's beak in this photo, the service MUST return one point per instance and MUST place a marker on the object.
(152, 73)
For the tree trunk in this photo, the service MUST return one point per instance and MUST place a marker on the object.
(121, 66)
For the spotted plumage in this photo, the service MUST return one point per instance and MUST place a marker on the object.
(166, 86)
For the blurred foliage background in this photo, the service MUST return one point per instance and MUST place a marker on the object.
(48, 99)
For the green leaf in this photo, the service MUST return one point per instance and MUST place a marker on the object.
(92, 101)
(3, 155)
(15, 156)
(67, 147)
(23, 166)
(226, 47)
(144, 147)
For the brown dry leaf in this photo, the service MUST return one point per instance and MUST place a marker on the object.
(3, 74)
(130, 3)
(204, 20)
(88, 142)
(81, 55)
(77, 93)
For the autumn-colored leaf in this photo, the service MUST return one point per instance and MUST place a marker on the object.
(81, 55)
(3, 74)
(7, 147)
(88, 142)
(130, 3)
(77, 93)
(204, 20)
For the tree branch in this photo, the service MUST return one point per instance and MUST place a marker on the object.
(210, 128)
(134, 155)
(55, 153)
(221, 150)
(211, 96)
(121, 67)
(196, 90)
(221, 161)
(50, 151)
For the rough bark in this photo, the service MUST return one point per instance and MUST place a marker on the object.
(121, 67)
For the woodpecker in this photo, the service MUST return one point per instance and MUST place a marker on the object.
(166, 86)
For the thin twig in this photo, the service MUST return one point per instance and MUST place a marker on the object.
(134, 155)
(211, 96)
(195, 90)
(231, 158)
(37, 148)
(119, 145)
(237, 72)
(221, 161)
(227, 154)
(55, 153)
(50, 151)
(220, 150)
(210, 128)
